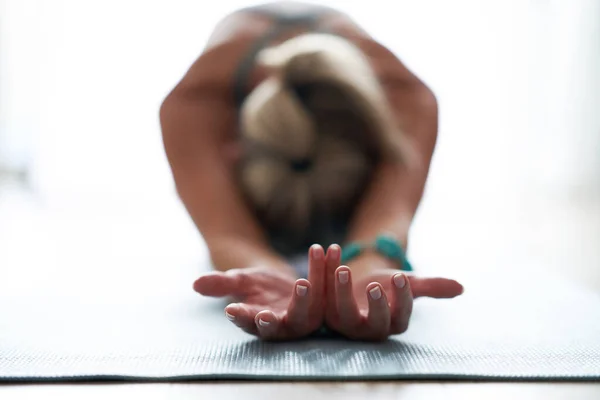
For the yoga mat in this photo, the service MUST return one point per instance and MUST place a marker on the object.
(507, 327)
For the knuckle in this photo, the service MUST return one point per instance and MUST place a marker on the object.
(243, 279)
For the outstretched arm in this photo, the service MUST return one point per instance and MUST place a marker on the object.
(196, 122)
(270, 301)
(391, 201)
(395, 193)
(372, 299)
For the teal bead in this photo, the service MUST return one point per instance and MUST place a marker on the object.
(385, 245)
(390, 248)
(350, 251)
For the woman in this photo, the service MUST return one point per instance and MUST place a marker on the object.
(295, 127)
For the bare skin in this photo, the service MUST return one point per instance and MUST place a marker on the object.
(366, 300)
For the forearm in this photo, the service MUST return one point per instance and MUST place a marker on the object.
(234, 238)
(194, 129)
(395, 193)
(390, 204)
(388, 207)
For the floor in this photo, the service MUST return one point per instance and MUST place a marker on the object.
(330, 391)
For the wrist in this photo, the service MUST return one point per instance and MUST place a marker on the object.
(368, 262)
(384, 252)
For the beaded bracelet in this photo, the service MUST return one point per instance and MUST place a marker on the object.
(383, 244)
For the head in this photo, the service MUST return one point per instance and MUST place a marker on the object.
(313, 131)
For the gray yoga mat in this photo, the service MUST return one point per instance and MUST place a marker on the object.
(507, 327)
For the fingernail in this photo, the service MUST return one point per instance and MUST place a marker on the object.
(334, 250)
(375, 293)
(301, 290)
(317, 252)
(399, 281)
(229, 316)
(263, 323)
(343, 277)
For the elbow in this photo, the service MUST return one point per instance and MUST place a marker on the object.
(427, 100)
(165, 111)
(426, 104)
(164, 115)
(168, 125)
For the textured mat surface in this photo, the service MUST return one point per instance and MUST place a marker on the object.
(532, 331)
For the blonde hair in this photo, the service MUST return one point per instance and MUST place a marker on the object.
(313, 131)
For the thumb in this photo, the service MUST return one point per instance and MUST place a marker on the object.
(219, 284)
(440, 288)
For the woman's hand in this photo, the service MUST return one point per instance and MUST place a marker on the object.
(369, 304)
(271, 303)
(372, 304)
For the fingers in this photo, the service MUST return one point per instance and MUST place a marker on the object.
(402, 303)
(219, 284)
(316, 272)
(347, 309)
(299, 308)
(264, 324)
(378, 320)
(332, 262)
(242, 316)
(267, 324)
(439, 288)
